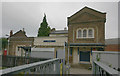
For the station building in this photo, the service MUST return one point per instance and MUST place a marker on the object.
(86, 33)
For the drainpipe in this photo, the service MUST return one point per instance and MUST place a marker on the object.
(97, 34)
(73, 36)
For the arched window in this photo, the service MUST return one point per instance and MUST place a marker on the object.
(90, 33)
(79, 33)
(85, 33)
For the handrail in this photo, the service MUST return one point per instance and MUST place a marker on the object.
(106, 68)
(25, 67)
(24, 57)
(107, 52)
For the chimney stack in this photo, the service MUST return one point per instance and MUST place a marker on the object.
(65, 28)
(11, 32)
(24, 31)
(53, 29)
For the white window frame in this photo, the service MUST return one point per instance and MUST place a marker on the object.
(87, 29)
(86, 32)
(81, 33)
(92, 33)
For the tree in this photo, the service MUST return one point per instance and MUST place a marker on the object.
(44, 29)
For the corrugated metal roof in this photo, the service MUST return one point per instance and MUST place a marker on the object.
(59, 32)
(112, 41)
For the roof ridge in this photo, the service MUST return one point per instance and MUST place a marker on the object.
(88, 8)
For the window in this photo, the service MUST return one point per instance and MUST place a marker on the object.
(85, 33)
(49, 41)
(18, 48)
(90, 33)
(79, 33)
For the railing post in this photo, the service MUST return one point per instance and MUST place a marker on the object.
(58, 67)
(93, 68)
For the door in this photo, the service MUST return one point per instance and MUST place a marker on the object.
(85, 56)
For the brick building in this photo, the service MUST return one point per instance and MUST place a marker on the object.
(86, 32)
(112, 44)
(19, 43)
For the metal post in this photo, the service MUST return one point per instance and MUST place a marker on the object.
(64, 59)
(93, 68)
(8, 47)
(68, 66)
(68, 55)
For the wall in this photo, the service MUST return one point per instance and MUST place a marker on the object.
(98, 33)
(59, 41)
(75, 56)
(112, 47)
(18, 41)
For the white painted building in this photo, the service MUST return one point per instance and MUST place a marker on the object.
(55, 41)
(42, 52)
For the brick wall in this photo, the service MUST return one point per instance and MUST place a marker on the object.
(112, 47)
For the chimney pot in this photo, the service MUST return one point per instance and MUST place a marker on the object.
(11, 32)
(65, 28)
(23, 29)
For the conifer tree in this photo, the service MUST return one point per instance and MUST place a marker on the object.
(44, 29)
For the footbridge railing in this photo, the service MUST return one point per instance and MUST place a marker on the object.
(51, 66)
(13, 61)
(105, 63)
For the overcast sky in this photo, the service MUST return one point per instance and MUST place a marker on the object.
(29, 15)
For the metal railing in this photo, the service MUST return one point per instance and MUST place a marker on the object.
(51, 66)
(100, 69)
(105, 63)
(12, 61)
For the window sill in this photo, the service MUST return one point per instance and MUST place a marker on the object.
(85, 38)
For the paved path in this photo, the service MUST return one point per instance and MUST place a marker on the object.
(80, 69)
